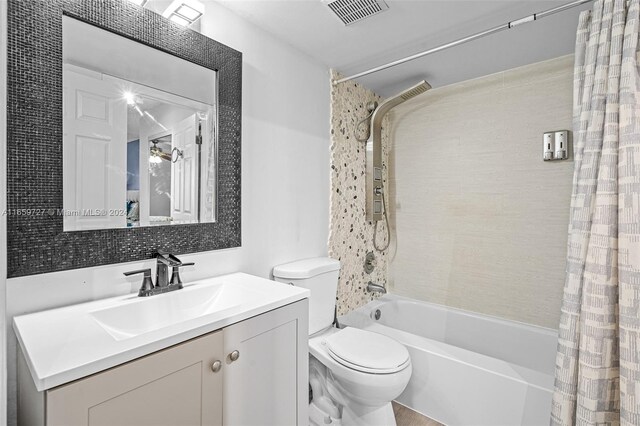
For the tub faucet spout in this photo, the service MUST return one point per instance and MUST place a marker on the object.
(376, 288)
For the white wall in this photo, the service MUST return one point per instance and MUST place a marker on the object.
(481, 221)
(3, 200)
(285, 179)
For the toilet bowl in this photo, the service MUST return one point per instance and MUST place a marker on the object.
(354, 373)
(363, 384)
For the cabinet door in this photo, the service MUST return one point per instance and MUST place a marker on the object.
(268, 383)
(175, 386)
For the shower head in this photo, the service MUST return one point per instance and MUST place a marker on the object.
(416, 90)
(396, 100)
(387, 105)
(374, 149)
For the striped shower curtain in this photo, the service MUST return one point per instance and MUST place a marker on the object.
(597, 378)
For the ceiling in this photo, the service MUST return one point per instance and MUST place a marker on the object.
(411, 26)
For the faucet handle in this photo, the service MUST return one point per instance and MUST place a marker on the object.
(175, 275)
(147, 282)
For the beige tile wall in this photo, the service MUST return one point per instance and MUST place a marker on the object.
(480, 220)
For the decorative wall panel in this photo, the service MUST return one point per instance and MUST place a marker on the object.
(351, 235)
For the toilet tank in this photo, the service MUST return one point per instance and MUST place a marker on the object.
(320, 276)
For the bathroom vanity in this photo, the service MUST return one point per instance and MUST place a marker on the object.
(224, 351)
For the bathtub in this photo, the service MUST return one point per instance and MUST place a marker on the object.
(468, 368)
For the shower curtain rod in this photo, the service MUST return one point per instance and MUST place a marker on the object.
(508, 25)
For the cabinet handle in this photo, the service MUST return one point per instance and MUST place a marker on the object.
(216, 366)
(233, 356)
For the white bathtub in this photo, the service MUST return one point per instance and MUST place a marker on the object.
(468, 368)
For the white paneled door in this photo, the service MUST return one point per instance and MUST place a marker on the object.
(94, 153)
(184, 190)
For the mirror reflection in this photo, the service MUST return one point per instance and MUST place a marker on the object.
(139, 144)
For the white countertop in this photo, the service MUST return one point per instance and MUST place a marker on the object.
(66, 344)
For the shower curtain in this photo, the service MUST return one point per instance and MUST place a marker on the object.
(598, 362)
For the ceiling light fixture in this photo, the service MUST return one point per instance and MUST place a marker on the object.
(184, 12)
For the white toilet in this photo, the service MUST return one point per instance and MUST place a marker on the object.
(354, 374)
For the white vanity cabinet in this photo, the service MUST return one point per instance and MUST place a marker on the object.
(253, 372)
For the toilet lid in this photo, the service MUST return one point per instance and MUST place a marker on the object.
(367, 351)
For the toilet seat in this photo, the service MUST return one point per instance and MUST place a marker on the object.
(366, 351)
(352, 379)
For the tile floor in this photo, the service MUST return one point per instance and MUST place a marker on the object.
(407, 417)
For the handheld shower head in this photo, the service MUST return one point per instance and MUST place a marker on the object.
(374, 150)
(371, 107)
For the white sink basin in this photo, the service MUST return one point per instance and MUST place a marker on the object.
(65, 344)
(142, 315)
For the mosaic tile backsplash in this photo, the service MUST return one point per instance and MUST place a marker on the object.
(351, 235)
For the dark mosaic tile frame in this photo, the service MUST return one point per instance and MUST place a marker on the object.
(37, 243)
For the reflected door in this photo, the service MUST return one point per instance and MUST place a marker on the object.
(184, 199)
(94, 153)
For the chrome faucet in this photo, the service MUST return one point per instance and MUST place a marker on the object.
(164, 283)
(164, 260)
(376, 288)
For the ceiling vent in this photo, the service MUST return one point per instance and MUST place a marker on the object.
(352, 11)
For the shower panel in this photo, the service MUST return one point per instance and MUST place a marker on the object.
(376, 210)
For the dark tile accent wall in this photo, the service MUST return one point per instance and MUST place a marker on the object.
(36, 241)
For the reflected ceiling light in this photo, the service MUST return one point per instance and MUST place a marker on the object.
(129, 97)
(156, 154)
(139, 2)
(133, 101)
(184, 12)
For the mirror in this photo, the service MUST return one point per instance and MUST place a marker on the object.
(171, 57)
(139, 133)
